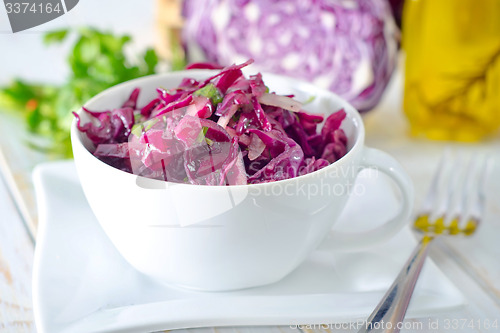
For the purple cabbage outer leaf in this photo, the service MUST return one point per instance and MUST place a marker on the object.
(333, 122)
(261, 115)
(230, 104)
(310, 121)
(117, 150)
(156, 153)
(334, 138)
(312, 164)
(348, 47)
(201, 107)
(205, 156)
(132, 100)
(332, 151)
(148, 108)
(187, 84)
(227, 79)
(226, 130)
(274, 140)
(233, 168)
(256, 147)
(257, 85)
(229, 74)
(204, 65)
(113, 126)
(285, 157)
(174, 105)
(284, 166)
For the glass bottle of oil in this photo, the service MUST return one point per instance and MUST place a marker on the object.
(452, 75)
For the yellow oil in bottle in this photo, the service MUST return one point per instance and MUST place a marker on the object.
(452, 74)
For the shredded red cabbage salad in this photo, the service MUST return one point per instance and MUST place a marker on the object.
(225, 130)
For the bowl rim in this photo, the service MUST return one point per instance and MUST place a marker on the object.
(351, 112)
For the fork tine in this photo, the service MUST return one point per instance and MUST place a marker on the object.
(476, 191)
(453, 207)
(432, 193)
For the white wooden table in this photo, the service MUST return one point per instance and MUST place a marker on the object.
(471, 264)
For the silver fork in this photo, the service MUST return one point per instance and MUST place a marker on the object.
(459, 211)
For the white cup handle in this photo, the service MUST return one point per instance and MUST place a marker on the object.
(376, 159)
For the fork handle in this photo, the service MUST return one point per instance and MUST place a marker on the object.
(390, 312)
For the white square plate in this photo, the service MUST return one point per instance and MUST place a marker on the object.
(82, 284)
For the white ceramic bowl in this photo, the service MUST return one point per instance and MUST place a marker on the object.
(230, 237)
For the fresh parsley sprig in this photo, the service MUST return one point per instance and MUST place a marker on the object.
(97, 61)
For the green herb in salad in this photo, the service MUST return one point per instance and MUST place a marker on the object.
(211, 92)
